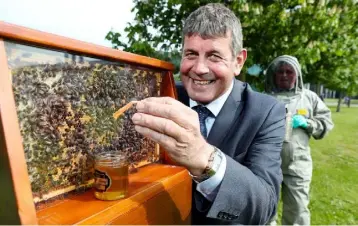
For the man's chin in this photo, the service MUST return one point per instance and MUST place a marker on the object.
(202, 98)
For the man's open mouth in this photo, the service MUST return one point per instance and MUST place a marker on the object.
(203, 82)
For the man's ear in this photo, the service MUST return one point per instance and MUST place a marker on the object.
(240, 60)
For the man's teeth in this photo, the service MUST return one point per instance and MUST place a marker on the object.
(201, 82)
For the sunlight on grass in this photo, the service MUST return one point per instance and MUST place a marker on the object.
(334, 188)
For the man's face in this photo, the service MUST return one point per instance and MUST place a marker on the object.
(208, 67)
(285, 77)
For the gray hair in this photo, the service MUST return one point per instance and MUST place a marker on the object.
(214, 20)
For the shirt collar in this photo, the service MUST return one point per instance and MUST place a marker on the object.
(216, 105)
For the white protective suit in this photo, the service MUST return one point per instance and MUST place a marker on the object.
(296, 154)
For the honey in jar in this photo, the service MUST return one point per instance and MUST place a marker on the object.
(111, 176)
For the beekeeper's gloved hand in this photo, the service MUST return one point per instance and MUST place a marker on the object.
(299, 121)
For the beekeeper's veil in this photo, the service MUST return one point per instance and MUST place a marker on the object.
(270, 84)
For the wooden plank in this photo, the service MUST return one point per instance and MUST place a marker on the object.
(169, 207)
(8, 205)
(13, 144)
(154, 186)
(23, 34)
(168, 86)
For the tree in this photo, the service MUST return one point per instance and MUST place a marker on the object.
(322, 34)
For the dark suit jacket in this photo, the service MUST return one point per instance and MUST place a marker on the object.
(249, 130)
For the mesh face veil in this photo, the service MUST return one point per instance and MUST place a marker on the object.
(284, 76)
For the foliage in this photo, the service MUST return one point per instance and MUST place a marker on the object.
(322, 34)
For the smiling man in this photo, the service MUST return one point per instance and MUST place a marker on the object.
(208, 66)
(227, 136)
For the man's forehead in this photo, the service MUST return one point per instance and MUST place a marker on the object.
(196, 41)
(209, 36)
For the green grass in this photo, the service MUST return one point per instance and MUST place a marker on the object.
(334, 187)
(328, 100)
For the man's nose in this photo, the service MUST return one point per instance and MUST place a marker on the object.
(201, 67)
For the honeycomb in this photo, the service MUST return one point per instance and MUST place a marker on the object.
(65, 104)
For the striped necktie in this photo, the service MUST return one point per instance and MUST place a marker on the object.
(203, 113)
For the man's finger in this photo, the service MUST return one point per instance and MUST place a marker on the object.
(165, 141)
(167, 101)
(161, 125)
(184, 117)
(164, 100)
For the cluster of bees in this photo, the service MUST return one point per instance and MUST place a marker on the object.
(65, 114)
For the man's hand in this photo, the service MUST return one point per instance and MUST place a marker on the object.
(176, 128)
(299, 121)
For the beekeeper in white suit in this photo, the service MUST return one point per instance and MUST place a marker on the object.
(307, 116)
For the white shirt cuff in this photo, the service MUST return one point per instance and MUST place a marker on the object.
(209, 188)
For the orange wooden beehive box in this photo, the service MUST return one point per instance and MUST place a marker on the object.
(57, 98)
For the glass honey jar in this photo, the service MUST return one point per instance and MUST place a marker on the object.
(111, 176)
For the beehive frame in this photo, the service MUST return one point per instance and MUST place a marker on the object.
(10, 133)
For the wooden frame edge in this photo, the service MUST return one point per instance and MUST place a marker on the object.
(13, 142)
(138, 199)
(157, 179)
(19, 33)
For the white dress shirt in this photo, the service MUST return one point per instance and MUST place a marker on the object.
(209, 187)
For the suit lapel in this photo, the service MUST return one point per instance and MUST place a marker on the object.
(228, 115)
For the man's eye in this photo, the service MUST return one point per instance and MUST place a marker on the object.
(191, 55)
(214, 57)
